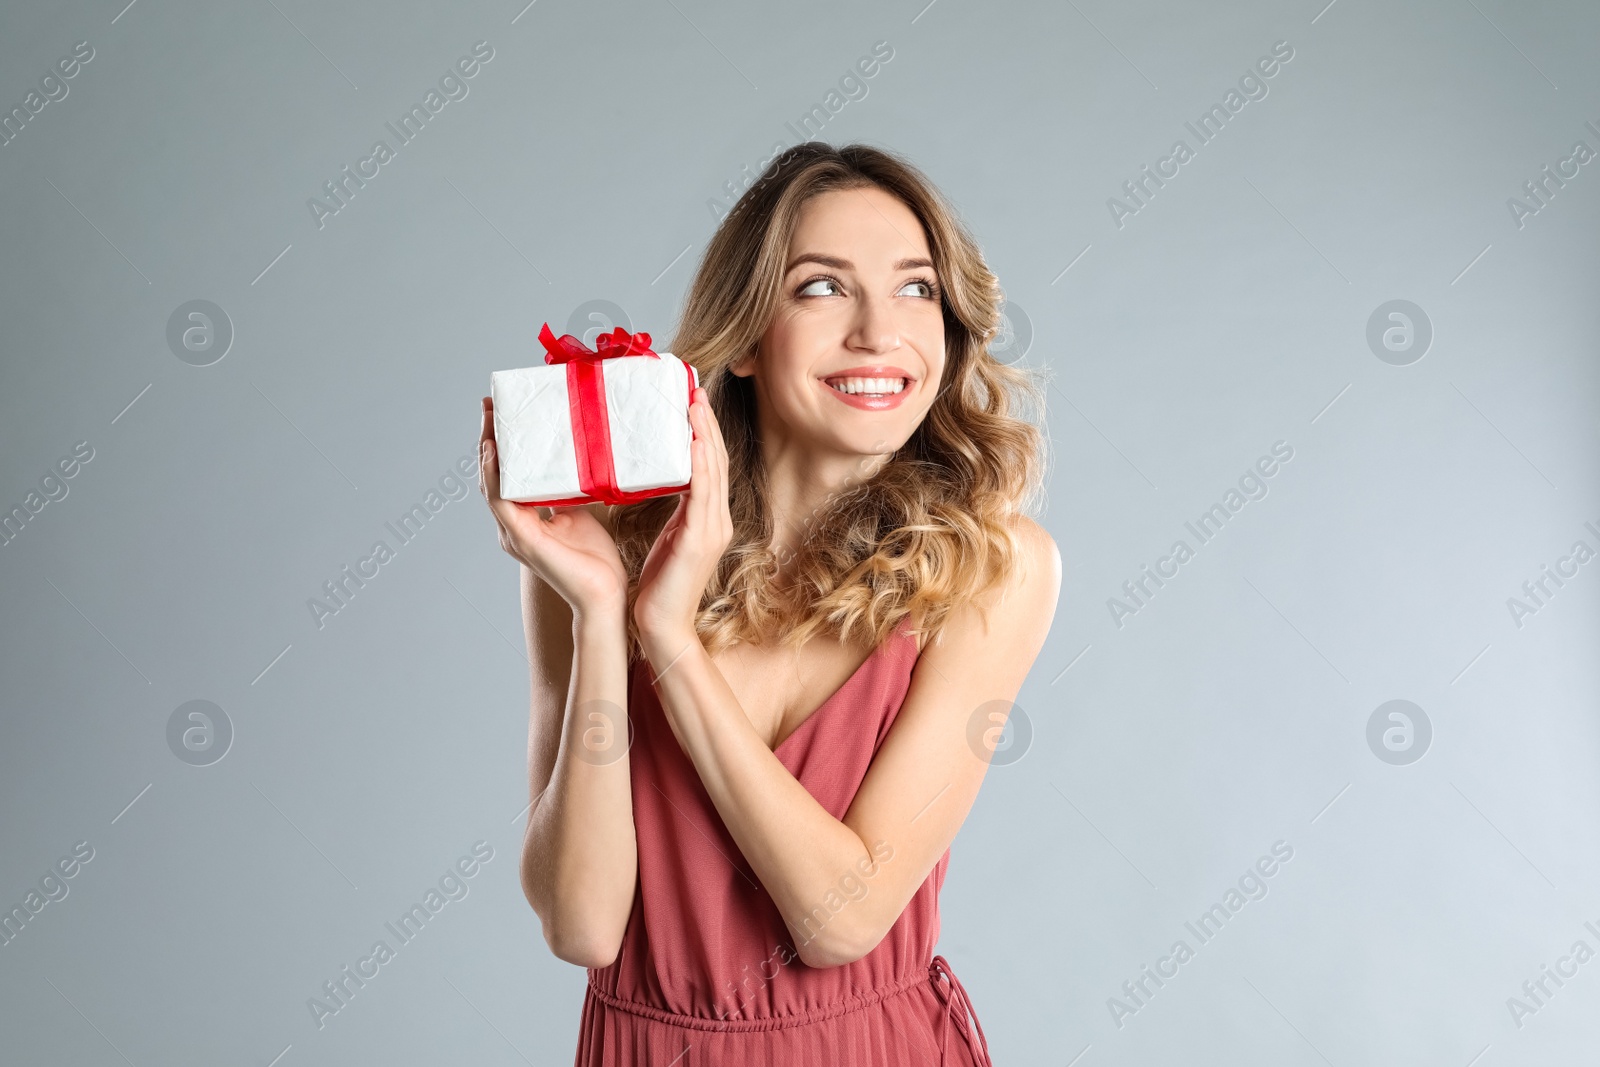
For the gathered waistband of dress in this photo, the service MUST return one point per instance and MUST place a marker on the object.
(770, 1022)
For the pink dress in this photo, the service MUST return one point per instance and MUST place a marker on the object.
(707, 974)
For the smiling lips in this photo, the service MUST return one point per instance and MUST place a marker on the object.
(876, 388)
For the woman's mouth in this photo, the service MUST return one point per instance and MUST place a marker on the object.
(870, 394)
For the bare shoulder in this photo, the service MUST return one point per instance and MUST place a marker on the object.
(963, 687)
(1027, 594)
(1041, 559)
(1013, 617)
(966, 679)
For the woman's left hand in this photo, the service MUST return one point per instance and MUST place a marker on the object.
(691, 545)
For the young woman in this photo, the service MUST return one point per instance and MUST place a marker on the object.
(763, 708)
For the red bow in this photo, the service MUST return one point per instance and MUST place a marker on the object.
(618, 342)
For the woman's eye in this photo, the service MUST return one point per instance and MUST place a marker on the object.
(924, 288)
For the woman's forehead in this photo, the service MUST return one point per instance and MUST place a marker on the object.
(867, 226)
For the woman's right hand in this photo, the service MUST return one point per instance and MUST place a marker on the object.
(571, 550)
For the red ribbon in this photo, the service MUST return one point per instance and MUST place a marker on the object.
(618, 342)
(586, 405)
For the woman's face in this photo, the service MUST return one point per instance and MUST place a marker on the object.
(859, 308)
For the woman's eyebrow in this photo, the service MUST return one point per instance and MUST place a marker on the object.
(844, 264)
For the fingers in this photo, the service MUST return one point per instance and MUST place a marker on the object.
(678, 513)
(703, 486)
(719, 476)
(724, 517)
(489, 468)
(717, 457)
(486, 423)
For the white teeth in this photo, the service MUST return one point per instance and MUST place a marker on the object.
(875, 386)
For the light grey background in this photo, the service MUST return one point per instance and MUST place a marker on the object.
(1168, 753)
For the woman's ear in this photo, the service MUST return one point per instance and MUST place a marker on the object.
(745, 365)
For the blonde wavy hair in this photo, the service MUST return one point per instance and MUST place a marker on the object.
(932, 525)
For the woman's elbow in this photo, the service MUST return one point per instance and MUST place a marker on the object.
(583, 928)
(823, 956)
(579, 936)
(583, 945)
(836, 945)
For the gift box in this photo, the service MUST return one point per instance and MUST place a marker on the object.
(606, 424)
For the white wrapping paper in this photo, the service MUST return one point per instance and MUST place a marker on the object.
(647, 405)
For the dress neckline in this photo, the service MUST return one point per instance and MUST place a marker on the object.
(896, 634)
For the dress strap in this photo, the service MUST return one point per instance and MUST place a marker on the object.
(956, 998)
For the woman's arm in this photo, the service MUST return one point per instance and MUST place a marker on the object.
(579, 863)
(579, 858)
(917, 792)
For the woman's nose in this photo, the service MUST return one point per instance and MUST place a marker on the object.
(874, 328)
